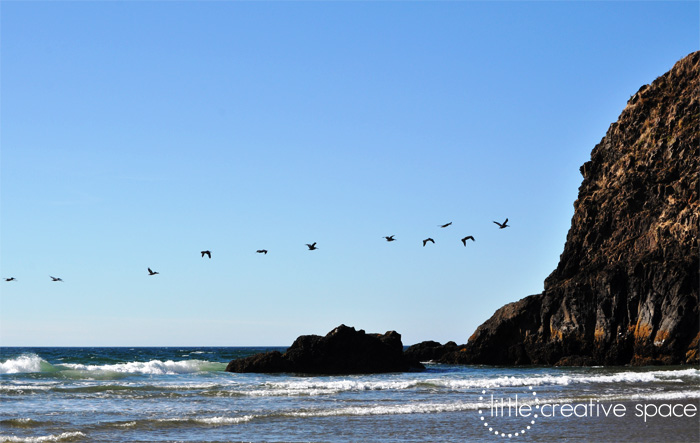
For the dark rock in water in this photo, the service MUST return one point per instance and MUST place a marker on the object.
(626, 287)
(342, 351)
(430, 351)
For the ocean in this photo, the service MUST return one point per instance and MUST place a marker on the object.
(184, 395)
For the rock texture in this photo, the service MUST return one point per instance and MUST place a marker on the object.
(626, 287)
(342, 351)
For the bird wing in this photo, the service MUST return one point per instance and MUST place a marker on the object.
(505, 222)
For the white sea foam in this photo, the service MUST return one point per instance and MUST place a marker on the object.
(20, 389)
(651, 396)
(314, 387)
(22, 364)
(225, 420)
(412, 408)
(321, 387)
(211, 420)
(66, 436)
(153, 367)
(563, 380)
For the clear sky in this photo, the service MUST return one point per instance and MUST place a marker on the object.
(136, 134)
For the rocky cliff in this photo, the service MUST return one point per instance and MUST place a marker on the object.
(626, 287)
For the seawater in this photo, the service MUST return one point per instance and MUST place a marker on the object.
(184, 394)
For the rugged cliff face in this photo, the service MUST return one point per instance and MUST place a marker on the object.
(626, 287)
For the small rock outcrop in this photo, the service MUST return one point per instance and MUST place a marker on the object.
(342, 351)
(431, 351)
(626, 287)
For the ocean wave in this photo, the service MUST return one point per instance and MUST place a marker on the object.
(177, 422)
(23, 389)
(66, 436)
(153, 367)
(211, 420)
(397, 409)
(30, 363)
(25, 364)
(321, 387)
(312, 387)
(22, 423)
(673, 376)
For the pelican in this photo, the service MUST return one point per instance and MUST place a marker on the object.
(152, 272)
(468, 237)
(207, 253)
(390, 238)
(428, 240)
(261, 251)
(446, 225)
(502, 225)
(11, 279)
(312, 246)
(55, 278)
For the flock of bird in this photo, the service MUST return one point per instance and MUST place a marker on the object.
(312, 247)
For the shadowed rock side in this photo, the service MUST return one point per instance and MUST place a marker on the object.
(430, 351)
(626, 287)
(342, 351)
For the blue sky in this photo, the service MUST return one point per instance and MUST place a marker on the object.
(136, 134)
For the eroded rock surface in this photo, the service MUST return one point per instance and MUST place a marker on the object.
(626, 287)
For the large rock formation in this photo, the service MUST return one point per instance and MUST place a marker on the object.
(626, 287)
(342, 351)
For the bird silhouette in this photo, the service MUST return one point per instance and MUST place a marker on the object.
(207, 253)
(446, 225)
(261, 251)
(428, 240)
(11, 279)
(312, 246)
(390, 238)
(502, 225)
(468, 237)
(55, 278)
(152, 272)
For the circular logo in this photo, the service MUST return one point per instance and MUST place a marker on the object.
(502, 409)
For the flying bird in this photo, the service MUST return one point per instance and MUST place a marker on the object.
(207, 253)
(390, 238)
(152, 272)
(502, 225)
(55, 278)
(468, 237)
(11, 279)
(428, 240)
(261, 251)
(312, 246)
(446, 225)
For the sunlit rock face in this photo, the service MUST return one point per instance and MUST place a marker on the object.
(626, 287)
